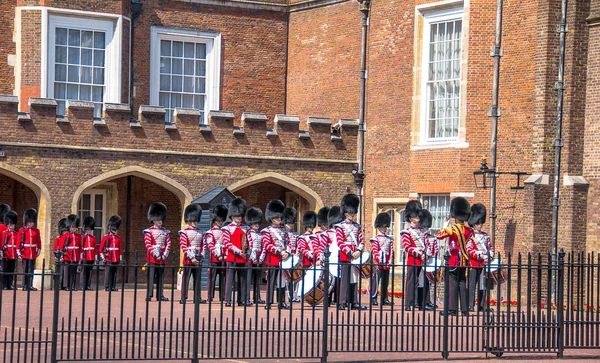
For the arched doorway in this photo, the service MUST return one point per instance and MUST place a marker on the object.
(21, 191)
(129, 192)
(259, 189)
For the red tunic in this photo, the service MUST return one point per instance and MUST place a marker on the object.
(255, 245)
(308, 247)
(275, 241)
(89, 248)
(110, 248)
(383, 251)
(414, 245)
(8, 244)
(157, 241)
(214, 241)
(478, 246)
(233, 235)
(29, 244)
(458, 235)
(3, 227)
(191, 241)
(349, 239)
(72, 245)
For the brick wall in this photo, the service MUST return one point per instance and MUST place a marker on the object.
(18, 196)
(7, 46)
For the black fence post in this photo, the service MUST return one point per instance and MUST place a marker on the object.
(325, 305)
(445, 352)
(197, 287)
(560, 301)
(55, 307)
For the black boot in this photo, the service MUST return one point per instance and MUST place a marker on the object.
(281, 299)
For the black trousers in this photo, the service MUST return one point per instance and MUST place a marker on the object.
(110, 275)
(412, 280)
(348, 289)
(216, 269)
(236, 278)
(253, 278)
(28, 266)
(384, 280)
(156, 274)
(86, 274)
(189, 272)
(9, 267)
(334, 296)
(71, 274)
(475, 288)
(273, 284)
(457, 286)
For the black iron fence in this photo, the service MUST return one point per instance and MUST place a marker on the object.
(533, 307)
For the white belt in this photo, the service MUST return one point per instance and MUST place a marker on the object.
(88, 248)
(26, 245)
(7, 246)
(72, 247)
(112, 249)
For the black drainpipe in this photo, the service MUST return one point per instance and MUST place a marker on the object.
(136, 10)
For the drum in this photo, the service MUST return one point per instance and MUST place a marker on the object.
(292, 268)
(364, 264)
(312, 286)
(434, 270)
(334, 264)
(496, 272)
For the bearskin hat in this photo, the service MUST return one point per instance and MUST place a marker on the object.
(460, 208)
(89, 223)
(425, 219)
(350, 203)
(11, 218)
(157, 212)
(114, 222)
(30, 215)
(322, 216)
(219, 214)
(383, 220)
(4, 208)
(309, 219)
(192, 213)
(289, 216)
(254, 216)
(237, 208)
(62, 226)
(478, 214)
(335, 215)
(73, 221)
(412, 209)
(275, 209)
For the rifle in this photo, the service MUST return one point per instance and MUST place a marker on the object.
(4, 248)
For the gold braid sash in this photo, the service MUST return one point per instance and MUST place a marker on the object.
(459, 230)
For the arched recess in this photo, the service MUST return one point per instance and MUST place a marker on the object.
(44, 222)
(304, 191)
(173, 186)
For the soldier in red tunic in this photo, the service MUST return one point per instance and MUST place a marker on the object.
(458, 235)
(308, 242)
(191, 241)
(214, 242)
(8, 248)
(431, 250)
(234, 239)
(412, 240)
(90, 254)
(71, 246)
(62, 229)
(329, 242)
(320, 233)
(111, 252)
(351, 243)
(254, 217)
(480, 250)
(29, 246)
(157, 240)
(383, 256)
(289, 222)
(275, 242)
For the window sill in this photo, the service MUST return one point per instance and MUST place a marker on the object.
(441, 145)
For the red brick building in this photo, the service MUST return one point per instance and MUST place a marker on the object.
(263, 97)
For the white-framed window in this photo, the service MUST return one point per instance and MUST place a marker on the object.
(93, 203)
(84, 61)
(441, 76)
(397, 224)
(185, 70)
(438, 206)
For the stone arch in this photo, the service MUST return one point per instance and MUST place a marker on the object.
(44, 222)
(171, 185)
(304, 191)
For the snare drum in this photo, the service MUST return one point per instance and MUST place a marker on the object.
(496, 272)
(364, 264)
(334, 264)
(434, 270)
(292, 268)
(312, 286)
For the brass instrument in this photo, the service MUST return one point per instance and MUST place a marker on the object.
(244, 244)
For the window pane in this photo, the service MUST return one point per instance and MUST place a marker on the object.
(98, 75)
(72, 92)
(74, 37)
(86, 75)
(87, 39)
(199, 102)
(188, 84)
(200, 51)
(188, 101)
(175, 100)
(60, 90)
(99, 58)
(60, 73)
(61, 36)
(165, 48)
(164, 99)
(61, 108)
(165, 83)
(99, 41)
(73, 74)
(73, 55)
(86, 57)
(177, 66)
(188, 67)
(85, 93)
(97, 94)
(98, 202)
(177, 49)
(177, 83)
(165, 65)
(61, 54)
(200, 85)
(85, 202)
(201, 68)
(188, 50)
